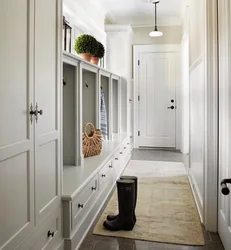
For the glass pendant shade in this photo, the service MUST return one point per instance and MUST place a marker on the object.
(156, 32)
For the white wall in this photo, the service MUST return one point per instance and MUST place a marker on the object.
(87, 16)
(119, 50)
(185, 83)
(185, 95)
(197, 100)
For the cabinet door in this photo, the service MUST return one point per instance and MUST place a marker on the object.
(16, 130)
(48, 17)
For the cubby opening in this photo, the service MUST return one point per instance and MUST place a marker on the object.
(89, 99)
(69, 115)
(105, 114)
(123, 107)
(115, 106)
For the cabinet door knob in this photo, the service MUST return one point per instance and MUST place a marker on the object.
(50, 234)
(110, 166)
(93, 188)
(103, 175)
(125, 147)
(40, 111)
(121, 153)
(80, 205)
(116, 159)
(128, 143)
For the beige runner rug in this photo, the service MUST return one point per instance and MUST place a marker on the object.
(166, 211)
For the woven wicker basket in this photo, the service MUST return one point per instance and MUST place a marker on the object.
(92, 142)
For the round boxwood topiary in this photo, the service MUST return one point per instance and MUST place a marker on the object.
(86, 44)
(100, 51)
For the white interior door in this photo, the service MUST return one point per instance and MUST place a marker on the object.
(157, 105)
(47, 97)
(16, 130)
(224, 206)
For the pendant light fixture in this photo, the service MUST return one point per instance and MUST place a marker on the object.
(156, 32)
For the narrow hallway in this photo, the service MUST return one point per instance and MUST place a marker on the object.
(95, 242)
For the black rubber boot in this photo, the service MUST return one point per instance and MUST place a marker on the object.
(126, 199)
(111, 217)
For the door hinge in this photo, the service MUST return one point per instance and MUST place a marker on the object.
(138, 98)
(138, 62)
(138, 133)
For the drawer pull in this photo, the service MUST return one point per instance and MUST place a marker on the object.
(110, 166)
(93, 188)
(50, 234)
(116, 159)
(80, 205)
(103, 175)
(125, 147)
(128, 143)
(121, 153)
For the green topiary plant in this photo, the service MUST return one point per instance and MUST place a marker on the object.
(86, 44)
(100, 51)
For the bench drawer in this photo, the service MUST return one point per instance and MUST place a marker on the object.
(83, 202)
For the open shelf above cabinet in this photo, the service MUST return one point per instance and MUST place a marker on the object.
(74, 59)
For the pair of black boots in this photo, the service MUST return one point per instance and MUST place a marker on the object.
(127, 197)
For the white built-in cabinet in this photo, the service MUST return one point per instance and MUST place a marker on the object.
(30, 163)
(49, 193)
(88, 182)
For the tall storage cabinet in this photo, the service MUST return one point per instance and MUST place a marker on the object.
(47, 97)
(30, 183)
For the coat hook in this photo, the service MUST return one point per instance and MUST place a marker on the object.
(64, 83)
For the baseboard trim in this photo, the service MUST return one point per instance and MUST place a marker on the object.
(196, 196)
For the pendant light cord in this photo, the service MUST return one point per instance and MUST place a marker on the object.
(156, 17)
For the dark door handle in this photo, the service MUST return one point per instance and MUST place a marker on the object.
(224, 188)
(171, 107)
(80, 205)
(49, 233)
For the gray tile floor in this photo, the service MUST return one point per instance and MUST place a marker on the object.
(94, 242)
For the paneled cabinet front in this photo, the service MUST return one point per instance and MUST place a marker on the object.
(48, 236)
(47, 101)
(16, 130)
(29, 108)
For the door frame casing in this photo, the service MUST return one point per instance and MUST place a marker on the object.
(137, 49)
(212, 117)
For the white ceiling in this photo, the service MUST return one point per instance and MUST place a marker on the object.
(141, 12)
